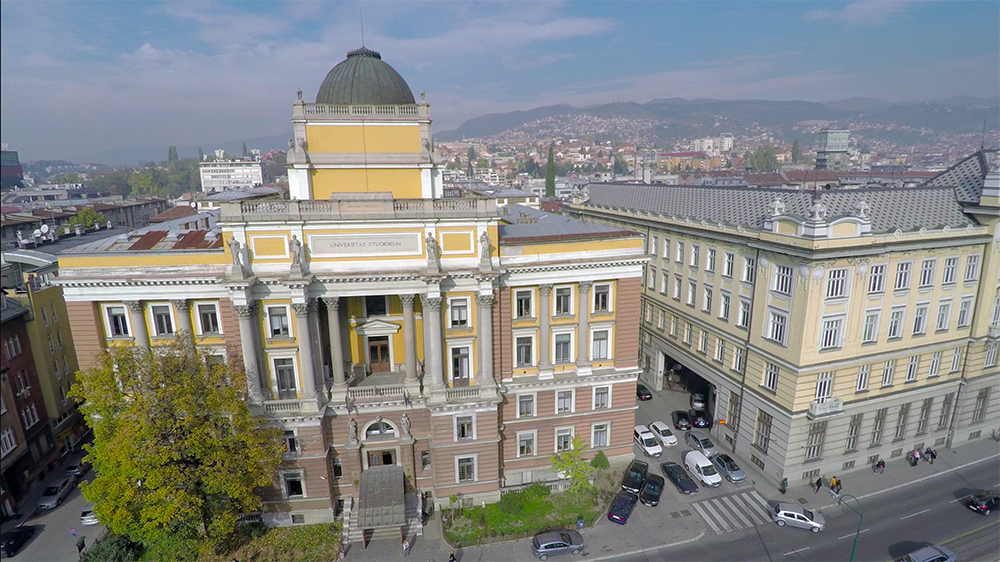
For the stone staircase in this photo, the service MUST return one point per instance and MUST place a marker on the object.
(414, 524)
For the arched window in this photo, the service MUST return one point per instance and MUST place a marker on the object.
(380, 429)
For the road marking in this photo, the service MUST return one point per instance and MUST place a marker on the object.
(618, 555)
(961, 498)
(852, 534)
(697, 507)
(794, 551)
(765, 507)
(736, 510)
(712, 507)
(754, 510)
(914, 514)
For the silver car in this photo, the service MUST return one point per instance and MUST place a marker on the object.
(700, 442)
(728, 468)
(52, 496)
(931, 554)
(797, 516)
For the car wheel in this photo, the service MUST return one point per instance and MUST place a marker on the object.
(576, 551)
(781, 523)
(58, 502)
(815, 529)
(542, 557)
(987, 512)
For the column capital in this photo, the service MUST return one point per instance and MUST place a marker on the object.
(181, 304)
(332, 303)
(431, 303)
(134, 306)
(245, 310)
(407, 300)
(485, 300)
(302, 308)
(545, 289)
(585, 286)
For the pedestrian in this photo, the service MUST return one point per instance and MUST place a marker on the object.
(819, 484)
(784, 486)
(933, 455)
(833, 483)
(406, 548)
(840, 485)
(451, 557)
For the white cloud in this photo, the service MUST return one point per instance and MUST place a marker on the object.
(861, 12)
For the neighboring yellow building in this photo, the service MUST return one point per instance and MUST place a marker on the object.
(834, 327)
(397, 336)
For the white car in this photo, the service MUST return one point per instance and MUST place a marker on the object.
(53, 495)
(647, 441)
(663, 432)
(88, 517)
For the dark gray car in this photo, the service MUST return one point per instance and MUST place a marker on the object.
(548, 544)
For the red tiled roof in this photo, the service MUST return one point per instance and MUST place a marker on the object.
(148, 240)
(811, 175)
(682, 155)
(174, 213)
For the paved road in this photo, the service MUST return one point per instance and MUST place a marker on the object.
(52, 541)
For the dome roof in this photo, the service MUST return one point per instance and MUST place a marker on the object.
(364, 79)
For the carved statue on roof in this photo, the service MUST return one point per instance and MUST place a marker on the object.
(234, 249)
(487, 247)
(432, 248)
(777, 207)
(352, 431)
(817, 211)
(404, 423)
(295, 249)
(298, 94)
(862, 208)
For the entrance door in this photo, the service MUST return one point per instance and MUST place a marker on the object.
(380, 458)
(378, 354)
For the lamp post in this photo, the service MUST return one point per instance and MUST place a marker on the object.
(859, 512)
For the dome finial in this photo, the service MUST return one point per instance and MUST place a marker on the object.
(362, 11)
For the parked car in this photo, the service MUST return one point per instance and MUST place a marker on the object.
(88, 517)
(78, 469)
(728, 468)
(702, 469)
(52, 496)
(984, 501)
(700, 442)
(931, 553)
(651, 490)
(681, 420)
(797, 516)
(675, 473)
(663, 432)
(646, 441)
(634, 476)
(700, 419)
(556, 542)
(698, 401)
(12, 541)
(643, 393)
(622, 507)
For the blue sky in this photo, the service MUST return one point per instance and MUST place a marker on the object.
(81, 77)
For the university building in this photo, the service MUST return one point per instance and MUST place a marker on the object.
(413, 348)
(833, 327)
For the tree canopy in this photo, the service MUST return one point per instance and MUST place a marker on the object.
(550, 174)
(796, 152)
(762, 159)
(87, 218)
(176, 449)
(571, 465)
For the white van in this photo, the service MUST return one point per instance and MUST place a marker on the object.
(700, 467)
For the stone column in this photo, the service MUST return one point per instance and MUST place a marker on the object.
(336, 345)
(137, 317)
(583, 330)
(484, 313)
(410, 338)
(247, 315)
(432, 324)
(183, 307)
(304, 339)
(544, 334)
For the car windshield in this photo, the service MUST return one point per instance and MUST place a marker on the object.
(730, 465)
(708, 470)
(666, 432)
(707, 443)
(649, 442)
(652, 487)
(51, 491)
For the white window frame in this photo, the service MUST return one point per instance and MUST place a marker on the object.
(678, 286)
(107, 320)
(965, 311)
(288, 316)
(679, 254)
(651, 283)
(943, 316)
(609, 328)
(525, 333)
(749, 269)
(864, 373)
(739, 359)
(720, 350)
(901, 281)
(475, 467)
(824, 387)
(464, 343)
(534, 404)
(770, 377)
(783, 276)
(452, 309)
(593, 298)
(284, 354)
(777, 326)
(8, 441)
(728, 264)
(284, 483)
(593, 434)
(971, 268)
(927, 267)
(725, 303)
(666, 249)
(836, 283)
(935, 367)
(920, 320)
(531, 302)
(897, 324)
(991, 354)
(572, 401)
(950, 270)
(956, 360)
(703, 341)
(841, 320)
(692, 292)
(151, 318)
(695, 256)
(555, 435)
(654, 244)
(664, 282)
(869, 330)
(218, 317)
(710, 260)
(475, 426)
(912, 368)
(876, 280)
(534, 443)
(564, 331)
(888, 372)
(706, 299)
(593, 397)
(743, 321)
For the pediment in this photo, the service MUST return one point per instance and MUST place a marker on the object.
(378, 328)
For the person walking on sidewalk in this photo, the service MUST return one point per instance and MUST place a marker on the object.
(784, 486)
(819, 484)
(833, 484)
(406, 548)
(840, 485)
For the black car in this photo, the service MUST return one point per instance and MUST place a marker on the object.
(681, 420)
(12, 541)
(643, 393)
(676, 474)
(651, 490)
(984, 502)
(622, 507)
(635, 476)
(700, 418)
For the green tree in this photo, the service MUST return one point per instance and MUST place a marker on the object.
(600, 462)
(550, 174)
(201, 155)
(172, 154)
(115, 182)
(762, 159)
(472, 154)
(245, 152)
(87, 218)
(482, 163)
(177, 452)
(571, 465)
(148, 182)
(796, 152)
(68, 177)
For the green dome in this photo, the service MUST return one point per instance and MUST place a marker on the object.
(364, 79)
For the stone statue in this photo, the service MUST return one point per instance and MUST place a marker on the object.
(777, 207)
(298, 94)
(234, 248)
(862, 207)
(352, 431)
(291, 144)
(432, 249)
(423, 98)
(295, 249)
(404, 423)
(486, 245)
(817, 211)
(302, 144)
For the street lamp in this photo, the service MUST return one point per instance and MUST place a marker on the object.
(859, 512)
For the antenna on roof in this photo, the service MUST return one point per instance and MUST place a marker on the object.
(361, 10)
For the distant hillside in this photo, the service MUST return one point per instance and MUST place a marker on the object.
(150, 153)
(858, 105)
(489, 125)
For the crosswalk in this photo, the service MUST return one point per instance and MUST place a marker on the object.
(733, 512)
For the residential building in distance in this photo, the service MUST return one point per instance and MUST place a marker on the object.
(11, 171)
(414, 348)
(833, 327)
(832, 151)
(230, 173)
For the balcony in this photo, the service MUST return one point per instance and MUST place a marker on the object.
(994, 331)
(356, 208)
(825, 407)
(285, 406)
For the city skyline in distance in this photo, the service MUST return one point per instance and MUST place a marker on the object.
(80, 78)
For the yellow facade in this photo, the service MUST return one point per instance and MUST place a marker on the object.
(355, 139)
(403, 183)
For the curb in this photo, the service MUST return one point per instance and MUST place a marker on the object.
(652, 548)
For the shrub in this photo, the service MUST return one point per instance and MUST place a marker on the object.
(113, 548)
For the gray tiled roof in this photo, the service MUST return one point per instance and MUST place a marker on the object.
(527, 222)
(905, 209)
(966, 177)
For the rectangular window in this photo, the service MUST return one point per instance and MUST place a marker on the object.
(991, 355)
(600, 345)
(925, 414)
(564, 353)
(710, 261)
(943, 316)
(525, 358)
(703, 342)
(664, 282)
(904, 412)
(673, 326)
(824, 386)
(601, 298)
(678, 282)
(464, 427)
(284, 371)
(927, 272)
(971, 268)
(935, 364)
(744, 320)
(720, 350)
(467, 469)
(762, 432)
(782, 279)
(902, 276)
(564, 439)
(602, 397)
(52, 347)
(852, 432)
(887, 372)
(375, 306)
(724, 306)
(920, 319)
(666, 249)
(982, 401)
(996, 311)
(870, 332)
(956, 359)
(459, 309)
(727, 265)
(600, 435)
(161, 320)
(831, 333)
(876, 283)
(45, 317)
(836, 283)
(945, 415)
(278, 319)
(654, 244)
(863, 372)
(814, 443)
(964, 312)
(291, 442)
(706, 300)
(688, 333)
(208, 315)
(460, 363)
(738, 355)
(525, 444)
(896, 322)
(770, 381)
(523, 304)
(692, 292)
(8, 442)
(652, 278)
(293, 485)
(695, 255)
(950, 267)
(776, 326)
(912, 368)
(749, 267)
(878, 426)
(564, 401)
(118, 322)
(525, 405)
(679, 254)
